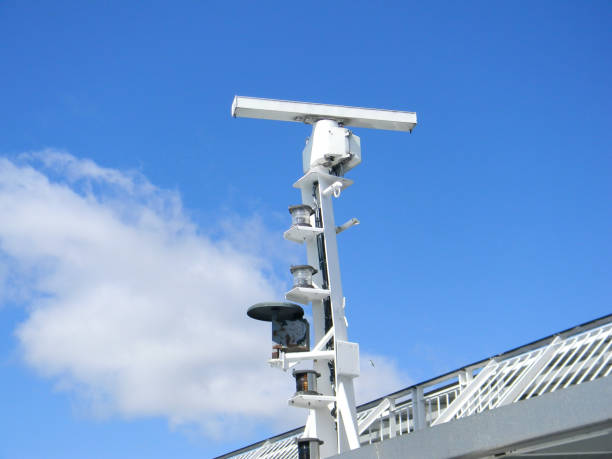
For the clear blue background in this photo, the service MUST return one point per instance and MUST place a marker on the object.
(486, 228)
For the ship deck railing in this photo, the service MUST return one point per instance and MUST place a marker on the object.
(572, 357)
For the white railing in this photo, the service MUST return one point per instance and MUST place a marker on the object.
(572, 357)
(560, 364)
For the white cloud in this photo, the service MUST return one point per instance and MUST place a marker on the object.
(131, 307)
(128, 304)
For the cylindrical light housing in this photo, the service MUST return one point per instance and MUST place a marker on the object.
(306, 381)
(308, 448)
(302, 275)
(300, 215)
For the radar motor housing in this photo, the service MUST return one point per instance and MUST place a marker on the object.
(331, 146)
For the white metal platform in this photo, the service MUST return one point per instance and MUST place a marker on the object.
(306, 181)
(311, 401)
(301, 234)
(305, 295)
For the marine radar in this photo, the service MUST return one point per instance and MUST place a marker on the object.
(325, 387)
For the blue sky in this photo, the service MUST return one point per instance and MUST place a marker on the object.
(138, 220)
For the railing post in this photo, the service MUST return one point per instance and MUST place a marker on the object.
(465, 377)
(392, 423)
(418, 409)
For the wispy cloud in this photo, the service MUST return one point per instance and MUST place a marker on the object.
(130, 305)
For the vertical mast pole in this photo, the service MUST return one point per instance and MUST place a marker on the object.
(323, 255)
(320, 423)
(344, 390)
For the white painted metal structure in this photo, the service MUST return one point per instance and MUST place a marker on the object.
(284, 110)
(571, 358)
(330, 151)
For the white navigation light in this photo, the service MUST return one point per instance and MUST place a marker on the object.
(305, 112)
(300, 214)
(302, 275)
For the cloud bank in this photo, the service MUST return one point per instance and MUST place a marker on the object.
(131, 306)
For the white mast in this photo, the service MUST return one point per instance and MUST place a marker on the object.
(330, 151)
